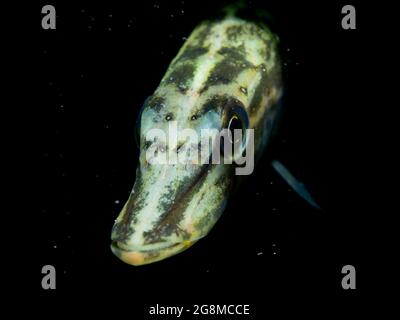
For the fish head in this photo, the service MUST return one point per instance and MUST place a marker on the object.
(182, 181)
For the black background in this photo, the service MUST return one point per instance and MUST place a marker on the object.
(95, 71)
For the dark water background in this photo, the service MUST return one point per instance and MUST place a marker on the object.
(96, 70)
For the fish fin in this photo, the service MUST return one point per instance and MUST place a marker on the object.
(295, 184)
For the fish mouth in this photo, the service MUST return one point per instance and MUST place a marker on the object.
(141, 257)
(175, 225)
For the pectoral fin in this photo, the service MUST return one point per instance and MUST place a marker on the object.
(295, 184)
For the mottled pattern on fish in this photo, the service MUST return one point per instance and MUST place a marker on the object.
(223, 63)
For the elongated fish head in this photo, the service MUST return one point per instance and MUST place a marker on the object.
(174, 202)
(225, 71)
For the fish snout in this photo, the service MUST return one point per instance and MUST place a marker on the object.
(143, 256)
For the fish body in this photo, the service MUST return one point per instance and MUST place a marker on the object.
(225, 69)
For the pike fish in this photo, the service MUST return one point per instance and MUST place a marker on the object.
(227, 71)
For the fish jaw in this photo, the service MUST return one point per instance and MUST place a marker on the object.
(165, 215)
(137, 258)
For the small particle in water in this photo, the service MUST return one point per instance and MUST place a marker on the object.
(55, 246)
(110, 15)
(157, 6)
(260, 253)
(116, 201)
(109, 29)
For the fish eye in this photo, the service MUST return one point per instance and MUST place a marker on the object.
(138, 121)
(234, 124)
(237, 121)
